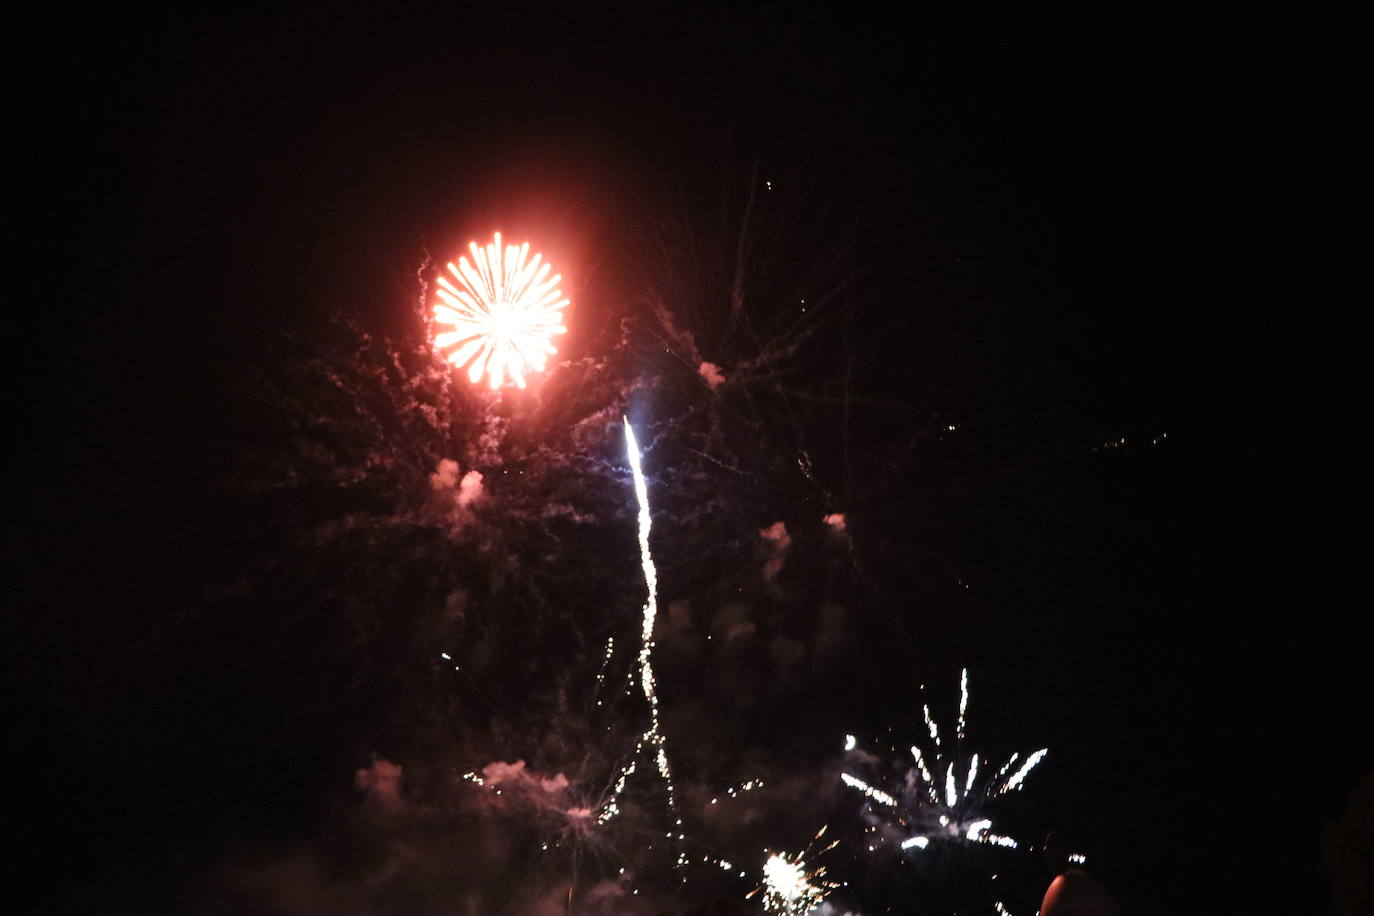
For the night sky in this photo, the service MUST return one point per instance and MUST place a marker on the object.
(1062, 312)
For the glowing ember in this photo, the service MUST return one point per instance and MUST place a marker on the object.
(503, 315)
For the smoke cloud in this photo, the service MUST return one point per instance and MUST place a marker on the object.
(710, 372)
(381, 782)
(776, 543)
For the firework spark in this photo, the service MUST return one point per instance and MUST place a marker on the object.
(653, 735)
(924, 809)
(791, 888)
(507, 309)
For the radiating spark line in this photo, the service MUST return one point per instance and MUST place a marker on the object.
(653, 735)
(930, 724)
(925, 773)
(978, 833)
(877, 795)
(1019, 777)
(503, 316)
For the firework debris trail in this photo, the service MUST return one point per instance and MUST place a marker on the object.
(653, 736)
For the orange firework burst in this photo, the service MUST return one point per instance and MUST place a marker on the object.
(507, 309)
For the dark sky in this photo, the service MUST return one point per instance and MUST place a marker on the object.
(1070, 229)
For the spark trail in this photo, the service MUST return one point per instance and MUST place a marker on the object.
(653, 735)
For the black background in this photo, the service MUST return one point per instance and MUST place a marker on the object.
(1148, 223)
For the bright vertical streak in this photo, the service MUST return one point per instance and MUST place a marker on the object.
(963, 703)
(646, 559)
(653, 736)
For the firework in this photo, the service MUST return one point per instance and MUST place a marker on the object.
(561, 807)
(503, 313)
(652, 737)
(927, 808)
(791, 888)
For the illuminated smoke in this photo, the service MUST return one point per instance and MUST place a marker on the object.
(777, 542)
(381, 781)
(445, 476)
(503, 316)
(455, 490)
(710, 373)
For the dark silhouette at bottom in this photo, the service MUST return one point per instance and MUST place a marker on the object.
(1074, 891)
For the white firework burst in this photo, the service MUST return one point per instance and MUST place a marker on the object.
(790, 887)
(942, 797)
